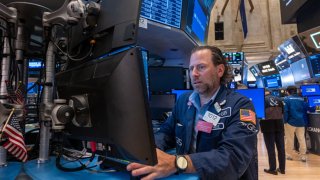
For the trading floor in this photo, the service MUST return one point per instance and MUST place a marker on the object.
(294, 169)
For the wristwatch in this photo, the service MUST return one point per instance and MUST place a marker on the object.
(181, 163)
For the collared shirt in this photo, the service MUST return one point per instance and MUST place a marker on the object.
(200, 111)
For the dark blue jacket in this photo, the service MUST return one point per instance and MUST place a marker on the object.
(228, 152)
(294, 110)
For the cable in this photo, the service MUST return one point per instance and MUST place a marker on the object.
(82, 167)
(92, 42)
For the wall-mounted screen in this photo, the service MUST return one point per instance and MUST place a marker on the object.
(311, 40)
(314, 101)
(257, 98)
(315, 65)
(161, 103)
(300, 70)
(310, 90)
(292, 50)
(167, 12)
(197, 21)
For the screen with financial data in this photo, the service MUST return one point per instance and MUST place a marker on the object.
(315, 65)
(167, 12)
(234, 57)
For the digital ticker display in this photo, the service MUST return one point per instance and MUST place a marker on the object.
(234, 57)
(163, 11)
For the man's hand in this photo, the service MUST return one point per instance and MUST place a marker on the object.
(164, 168)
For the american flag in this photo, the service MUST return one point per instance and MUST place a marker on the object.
(247, 115)
(15, 143)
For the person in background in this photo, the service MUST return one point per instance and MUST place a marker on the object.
(273, 133)
(213, 129)
(294, 112)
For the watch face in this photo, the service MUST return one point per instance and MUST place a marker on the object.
(182, 162)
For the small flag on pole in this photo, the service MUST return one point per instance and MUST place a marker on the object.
(15, 143)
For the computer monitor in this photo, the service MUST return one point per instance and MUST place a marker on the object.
(315, 65)
(160, 104)
(257, 98)
(310, 90)
(179, 92)
(164, 79)
(196, 21)
(273, 81)
(110, 99)
(116, 27)
(234, 57)
(314, 101)
(165, 12)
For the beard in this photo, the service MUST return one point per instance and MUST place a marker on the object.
(201, 88)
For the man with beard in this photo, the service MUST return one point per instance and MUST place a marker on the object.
(213, 129)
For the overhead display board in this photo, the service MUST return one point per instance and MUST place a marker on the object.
(167, 12)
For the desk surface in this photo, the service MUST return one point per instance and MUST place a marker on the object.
(49, 171)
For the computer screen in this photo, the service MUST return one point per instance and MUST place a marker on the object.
(110, 99)
(311, 40)
(197, 21)
(255, 72)
(310, 90)
(164, 79)
(167, 12)
(234, 57)
(314, 101)
(272, 81)
(117, 26)
(179, 92)
(35, 64)
(257, 98)
(315, 65)
(160, 104)
(300, 70)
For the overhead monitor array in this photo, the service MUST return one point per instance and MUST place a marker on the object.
(190, 16)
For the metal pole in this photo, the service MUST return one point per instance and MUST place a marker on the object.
(47, 104)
